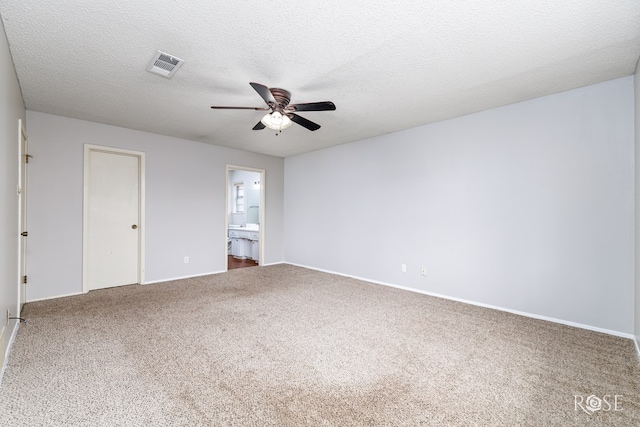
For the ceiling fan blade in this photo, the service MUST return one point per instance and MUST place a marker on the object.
(264, 92)
(303, 122)
(218, 107)
(259, 126)
(314, 106)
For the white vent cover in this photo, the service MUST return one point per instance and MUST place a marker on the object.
(164, 64)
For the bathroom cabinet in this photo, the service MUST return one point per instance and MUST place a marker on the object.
(244, 243)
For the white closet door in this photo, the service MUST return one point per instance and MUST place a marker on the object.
(113, 242)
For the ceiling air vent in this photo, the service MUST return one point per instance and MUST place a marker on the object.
(164, 64)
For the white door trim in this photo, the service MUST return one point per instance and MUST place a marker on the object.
(262, 211)
(22, 215)
(88, 148)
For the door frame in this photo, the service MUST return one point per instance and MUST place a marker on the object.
(261, 212)
(22, 213)
(88, 149)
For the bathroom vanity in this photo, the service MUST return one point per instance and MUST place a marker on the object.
(245, 242)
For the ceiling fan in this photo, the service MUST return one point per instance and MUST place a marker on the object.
(282, 114)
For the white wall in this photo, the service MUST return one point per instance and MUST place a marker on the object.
(527, 207)
(185, 202)
(11, 110)
(637, 212)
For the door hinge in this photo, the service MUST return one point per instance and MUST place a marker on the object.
(24, 233)
(24, 279)
(26, 157)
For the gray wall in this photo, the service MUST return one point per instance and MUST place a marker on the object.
(11, 110)
(185, 202)
(527, 207)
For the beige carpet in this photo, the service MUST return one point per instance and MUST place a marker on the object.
(287, 346)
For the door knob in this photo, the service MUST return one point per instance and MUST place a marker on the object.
(134, 226)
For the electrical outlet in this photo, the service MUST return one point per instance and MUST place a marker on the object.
(403, 268)
(424, 271)
(186, 260)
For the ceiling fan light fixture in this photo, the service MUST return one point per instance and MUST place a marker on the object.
(283, 114)
(276, 121)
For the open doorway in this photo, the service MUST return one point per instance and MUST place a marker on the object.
(245, 216)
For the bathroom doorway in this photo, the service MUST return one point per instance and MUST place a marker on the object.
(244, 228)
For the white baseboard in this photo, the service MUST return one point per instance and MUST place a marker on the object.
(183, 277)
(479, 304)
(202, 274)
(145, 283)
(151, 282)
(8, 349)
(55, 297)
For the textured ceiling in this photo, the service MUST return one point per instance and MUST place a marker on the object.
(386, 65)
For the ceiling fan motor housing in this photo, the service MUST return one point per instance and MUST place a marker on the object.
(282, 97)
